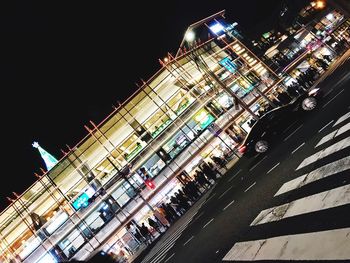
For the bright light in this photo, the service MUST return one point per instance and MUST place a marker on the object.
(216, 28)
(150, 184)
(330, 16)
(320, 4)
(189, 36)
(166, 60)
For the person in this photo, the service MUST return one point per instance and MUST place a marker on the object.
(201, 179)
(135, 232)
(146, 233)
(154, 225)
(283, 97)
(219, 161)
(161, 217)
(208, 171)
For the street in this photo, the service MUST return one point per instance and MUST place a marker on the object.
(290, 204)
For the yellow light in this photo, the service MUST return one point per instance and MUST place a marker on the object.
(320, 4)
(166, 60)
(200, 116)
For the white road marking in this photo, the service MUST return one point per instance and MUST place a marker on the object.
(209, 198)
(342, 118)
(188, 240)
(161, 258)
(273, 168)
(332, 98)
(211, 220)
(321, 172)
(162, 253)
(225, 192)
(240, 170)
(198, 216)
(323, 245)
(328, 199)
(290, 135)
(325, 95)
(301, 145)
(325, 152)
(326, 138)
(246, 190)
(334, 134)
(343, 129)
(258, 163)
(324, 127)
(169, 257)
(164, 247)
(228, 205)
(289, 127)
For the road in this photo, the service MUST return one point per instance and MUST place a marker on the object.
(289, 204)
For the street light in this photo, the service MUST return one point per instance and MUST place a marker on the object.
(319, 4)
(189, 36)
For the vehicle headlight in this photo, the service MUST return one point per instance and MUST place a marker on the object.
(309, 103)
(313, 92)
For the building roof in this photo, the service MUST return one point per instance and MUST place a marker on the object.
(198, 26)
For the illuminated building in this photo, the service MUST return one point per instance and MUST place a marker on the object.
(175, 120)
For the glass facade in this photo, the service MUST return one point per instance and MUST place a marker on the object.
(94, 191)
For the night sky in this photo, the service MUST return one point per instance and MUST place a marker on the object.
(63, 65)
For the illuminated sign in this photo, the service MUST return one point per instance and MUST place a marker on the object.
(216, 28)
(81, 201)
(228, 64)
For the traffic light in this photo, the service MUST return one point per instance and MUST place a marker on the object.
(150, 184)
(146, 178)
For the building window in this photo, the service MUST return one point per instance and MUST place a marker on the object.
(180, 101)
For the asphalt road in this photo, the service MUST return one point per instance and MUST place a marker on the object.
(250, 186)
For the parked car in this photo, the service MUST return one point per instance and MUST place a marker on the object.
(267, 129)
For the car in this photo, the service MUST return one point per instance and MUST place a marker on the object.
(269, 127)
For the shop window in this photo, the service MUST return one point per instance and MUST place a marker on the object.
(131, 147)
(225, 100)
(118, 158)
(157, 122)
(72, 243)
(154, 165)
(238, 90)
(176, 144)
(98, 218)
(180, 101)
(125, 192)
(214, 108)
(29, 246)
(189, 131)
(164, 155)
(105, 171)
(59, 217)
(136, 182)
(202, 119)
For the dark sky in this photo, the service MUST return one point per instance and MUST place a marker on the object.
(66, 64)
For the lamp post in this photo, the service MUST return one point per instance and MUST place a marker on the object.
(201, 64)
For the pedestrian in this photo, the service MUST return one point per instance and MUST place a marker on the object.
(154, 225)
(161, 218)
(146, 233)
(210, 173)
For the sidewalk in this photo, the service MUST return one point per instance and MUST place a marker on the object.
(331, 69)
(157, 243)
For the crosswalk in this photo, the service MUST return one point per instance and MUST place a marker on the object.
(273, 233)
(160, 252)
